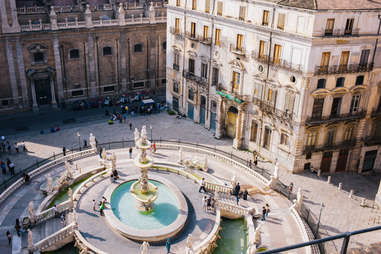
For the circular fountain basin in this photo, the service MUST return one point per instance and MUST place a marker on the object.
(166, 220)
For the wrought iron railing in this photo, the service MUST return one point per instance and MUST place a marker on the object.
(333, 146)
(319, 119)
(199, 80)
(278, 62)
(343, 68)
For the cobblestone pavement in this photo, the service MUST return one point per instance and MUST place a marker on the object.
(340, 214)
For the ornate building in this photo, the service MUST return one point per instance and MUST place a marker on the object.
(63, 50)
(297, 81)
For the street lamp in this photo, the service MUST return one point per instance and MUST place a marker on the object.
(79, 141)
(150, 127)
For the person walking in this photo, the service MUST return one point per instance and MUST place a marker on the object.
(18, 227)
(130, 126)
(256, 162)
(16, 147)
(249, 163)
(267, 206)
(84, 143)
(263, 213)
(245, 194)
(154, 147)
(64, 151)
(102, 207)
(11, 168)
(3, 167)
(9, 236)
(94, 205)
(168, 245)
(130, 152)
(204, 204)
(202, 185)
(237, 189)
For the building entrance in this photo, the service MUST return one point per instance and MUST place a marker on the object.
(43, 92)
(326, 162)
(369, 160)
(231, 122)
(342, 160)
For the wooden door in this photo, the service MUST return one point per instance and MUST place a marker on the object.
(342, 160)
(326, 162)
(231, 124)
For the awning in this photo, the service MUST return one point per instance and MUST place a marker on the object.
(148, 101)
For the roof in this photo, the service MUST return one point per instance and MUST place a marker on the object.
(331, 4)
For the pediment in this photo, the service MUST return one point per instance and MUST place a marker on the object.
(237, 64)
(36, 47)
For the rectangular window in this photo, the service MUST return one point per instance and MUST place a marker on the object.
(348, 134)
(176, 58)
(74, 53)
(175, 87)
(178, 3)
(194, 4)
(38, 57)
(277, 53)
(336, 106)
(138, 84)
(261, 49)
(325, 56)
(359, 80)
(330, 136)
(177, 25)
(191, 65)
(242, 13)
(269, 95)
(349, 26)
(206, 33)
(254, 131)
(281, 21)
(215, 77)
(317, 108)
(220, 5)
(340, 82)
(364, 57)
(239, 41)
(193, 29)
(236, 79)
(204, 70)
(321, 83)
(284, 139)
(311, 138)
(265, 18)
(218, 37)
(355, 103)
(267, 138)
(207, 6)
(329, 26)
(344, 60)
(77, 93)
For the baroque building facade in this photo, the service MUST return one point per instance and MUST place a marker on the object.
(295, 81)
(59, 51)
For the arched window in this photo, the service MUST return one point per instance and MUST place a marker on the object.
(107, 51)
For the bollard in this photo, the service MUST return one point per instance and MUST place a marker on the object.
(340, 186)
(363, 202)
(319, 172)
(329, 179)
(350, 194)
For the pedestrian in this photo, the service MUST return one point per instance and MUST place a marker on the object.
(64, 151)
(249, 163)
(9, 148)
(263, 213)
(84, 143)
(100, 152)
(56, 214)
(9, 236)
(256, 162)
(290, 187)
(202, 185)
(204, 199)
(18, 227)
(130, 152)
(16, 147)
(168, 245)
(63, 219)
(130, 126)
(26, 178)
(124, 118)
(101, 208)
(245, 193)
(3, 167)
(267, 210)
(94, 205)
(24, 147)
(237, 188)
(12, 168)
(154, 147)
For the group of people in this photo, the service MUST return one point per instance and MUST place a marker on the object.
(6, 147)
(101, 205)
(7, 164)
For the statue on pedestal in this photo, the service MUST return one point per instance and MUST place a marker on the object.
(144, 247)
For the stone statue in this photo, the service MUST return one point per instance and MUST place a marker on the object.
(276, 170)
(49, 181)
(30, 241)
(70, 194)
(136, 135)
(52, 12)
(31, 210)
(299, 198)
(93, 143)
(144, 135)
(144, 247)
(234, 181)
(113, 161)
(180, 155)
(189, 241)
(104, 154)
(257, 234)
(68, 168)
(205, 166)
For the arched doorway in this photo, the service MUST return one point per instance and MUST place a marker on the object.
(231, 122)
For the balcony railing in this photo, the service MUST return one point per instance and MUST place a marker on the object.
(314, 120)
(199, 80)
(284, 64)
(347, 68)
(340, 145)
(372, 140)
(341, 32)
(239, 51)
(269, 108)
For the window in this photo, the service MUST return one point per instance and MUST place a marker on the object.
(281, 21)
(38, 57)
(349, 27)
(213, 106)
(311, 138)
(176, 58)
(321, 83)
(138, 47)
(164, 45)
(191, 65)
(340, 82)
(330, 136)
(207, 6)
(218, 37)
(317, 108)
(178, 3)
(348, 133)
(325, 56)
(175, 87)
(236, 79)
(254, 131)
(289, 102)
(107, 51)
(364, 57)
(239, 41)
(359, 80)
(194, 4)
(108, 89)
(74, 53)
(355, 103)
(242, 13)
(177, 25)
(193, 29)
(261, 50)
(267, 138)
(265, 18)
(215, 76)
(344, 60)
(138, 84)
(206, 33)
(204, 70)
(329, 26)
(219, 8)
(283, 139)
(336, 106)
(77, 93)
(190, 94)
(277, 53)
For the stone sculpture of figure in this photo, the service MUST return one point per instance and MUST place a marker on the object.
(113, 161)
(67, 166)
(257, 234)
(49, 181)
(180, 155)
(276, 170)
(31, 210)
(234, 181)
(188, 249)
(143, 135)
(30, 241)
(144, 247)
(92, 141)
(121, 9)
(143, 155)
(205, 166)
(299, 198)
(136, 136)
(70, 194)
(104, 154)
(52, 12)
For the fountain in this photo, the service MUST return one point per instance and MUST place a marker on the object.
(145, 193)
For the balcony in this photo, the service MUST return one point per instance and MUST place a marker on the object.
(340, 32)
(199, 80)
(238, 51)
(281, 63)
(176, 67)
(316, 120)
(372, 140)
(270, 109)
(176, 32)
(232, 95)
(326, 147)
(348, 68)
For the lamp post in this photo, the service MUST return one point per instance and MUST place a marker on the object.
(150, 127)
(79, 141)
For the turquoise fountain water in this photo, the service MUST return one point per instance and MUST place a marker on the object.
(233, 237)
(164, 213)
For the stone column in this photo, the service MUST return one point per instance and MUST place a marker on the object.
(52, 92)
(6, 27)
(237, 142)
(57, 60)
(378, 195)
(220, 124)
(123, 61)
(197, 109)
(33, 89)
(12, 74)
(21, 69)
(93, 83)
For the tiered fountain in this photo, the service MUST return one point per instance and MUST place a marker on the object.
(145, 193)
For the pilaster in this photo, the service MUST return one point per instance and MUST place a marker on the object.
(123, 61)
(220, 113)
(93, 83)
(6, 27)
(237, 142)
(12, 74)
(57, 59)
(21, 69)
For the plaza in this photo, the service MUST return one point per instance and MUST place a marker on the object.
(280, 229)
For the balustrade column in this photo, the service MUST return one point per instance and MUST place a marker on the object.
(53, 93)
(220, 124)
